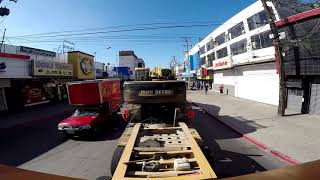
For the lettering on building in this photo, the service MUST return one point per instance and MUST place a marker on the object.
(219, 64)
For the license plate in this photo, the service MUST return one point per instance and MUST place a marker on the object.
(70, 132)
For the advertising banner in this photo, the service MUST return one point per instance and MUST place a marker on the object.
(83, 65)
(14, 66)
(47, 68)
(33, 93)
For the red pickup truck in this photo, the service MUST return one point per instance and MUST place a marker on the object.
(96, 101)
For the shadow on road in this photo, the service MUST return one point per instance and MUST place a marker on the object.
(38, 135)
(225, 163)
(111, 132)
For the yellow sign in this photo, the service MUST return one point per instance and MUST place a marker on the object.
(48, 68)
(83, 65)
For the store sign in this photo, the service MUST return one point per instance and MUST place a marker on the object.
(35, 51)
(47, 68)
(14, 68)
(86, 66)
(33, 93)
(3, 66)
(222, 63)
(83, 65)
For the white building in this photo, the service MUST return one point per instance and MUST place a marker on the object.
(99, 66)
(242, 57)
(128, 59)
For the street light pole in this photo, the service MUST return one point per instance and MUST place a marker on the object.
(188, 61)
(278, 48)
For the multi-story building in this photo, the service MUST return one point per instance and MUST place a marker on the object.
(141, 63)
(129, 59)
(239, 56)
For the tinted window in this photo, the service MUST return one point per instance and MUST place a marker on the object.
(203, 61)
(210, 45)
(202, 50)
(262, 40)
(239, 47)
(257, 20)
(236, 30)
(211, 57)
(222, 53)
(221, 38)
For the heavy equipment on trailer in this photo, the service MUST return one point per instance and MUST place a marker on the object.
(157, 143)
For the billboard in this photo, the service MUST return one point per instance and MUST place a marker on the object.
(47, 68)
(83, 65)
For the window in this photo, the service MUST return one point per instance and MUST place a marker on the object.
(237, 30)
(202, 50)
(210, 45)
(222, 53)
(221, 39)
(239, 47)
(211, 57)
(260, 41)
(257, 20)
(203, 61)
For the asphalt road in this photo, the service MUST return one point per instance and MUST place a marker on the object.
(38, 147)
(231, 154)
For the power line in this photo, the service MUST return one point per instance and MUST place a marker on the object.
(122, 26)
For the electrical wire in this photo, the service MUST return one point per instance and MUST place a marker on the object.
(116, 27)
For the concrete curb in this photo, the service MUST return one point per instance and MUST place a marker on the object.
(254, 141)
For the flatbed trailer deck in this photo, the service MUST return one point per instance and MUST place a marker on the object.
(161, 145)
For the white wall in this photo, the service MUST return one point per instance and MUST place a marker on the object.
(15, 68)
(226, 77)
(258, 82)
(129, 61)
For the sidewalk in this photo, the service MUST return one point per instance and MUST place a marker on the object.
(33, 114)
(296, 136)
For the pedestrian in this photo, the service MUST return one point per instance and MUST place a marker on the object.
(206, 88)
(221, 89)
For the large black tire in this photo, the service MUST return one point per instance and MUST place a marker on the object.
(116, 158)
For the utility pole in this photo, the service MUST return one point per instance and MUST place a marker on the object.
(278, 48)
(4, 34)
(188, 61)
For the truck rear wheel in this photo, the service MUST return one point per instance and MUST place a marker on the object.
(116, 158)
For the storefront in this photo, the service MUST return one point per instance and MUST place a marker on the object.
(13, 67)
(53, 77)
(83, 65)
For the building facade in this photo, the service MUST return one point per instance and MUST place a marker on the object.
(301, 54)
(130, 60)
(30, 76)
(239, 56)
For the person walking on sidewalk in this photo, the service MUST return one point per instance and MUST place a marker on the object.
(206, 88)
(221, 89)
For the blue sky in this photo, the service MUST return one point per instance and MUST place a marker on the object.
(156, 47)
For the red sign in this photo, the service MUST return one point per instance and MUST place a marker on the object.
(33, 93)
(222, 63)
(219, 64)
(14, 56)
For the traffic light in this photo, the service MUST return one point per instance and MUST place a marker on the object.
(4, 11)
